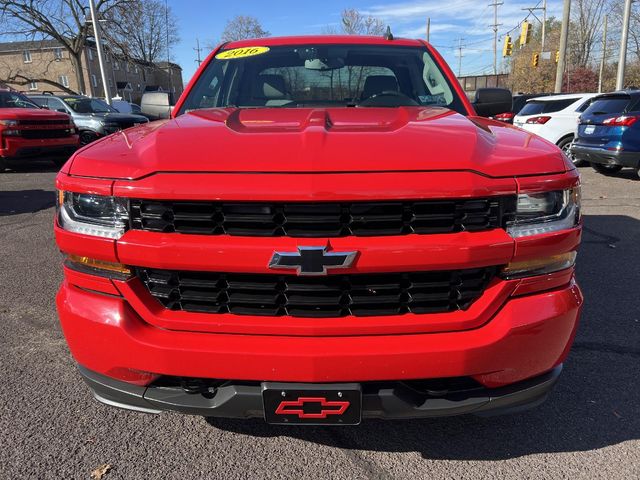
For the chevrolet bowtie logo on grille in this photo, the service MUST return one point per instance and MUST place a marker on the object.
(312, 260)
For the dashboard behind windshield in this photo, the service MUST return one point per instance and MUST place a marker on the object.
(302, 76)
(88, 105)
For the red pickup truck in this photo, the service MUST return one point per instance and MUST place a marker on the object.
(27, 132)
(324, 231)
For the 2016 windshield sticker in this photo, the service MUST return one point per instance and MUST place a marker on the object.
(241, 53)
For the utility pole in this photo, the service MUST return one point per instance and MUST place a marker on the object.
(623, 45)
(428, 28)
(166, 26)
(96, 35)
(198, 50)
(604, 55)
(495, 26)
(544, 24)
(459, 57)
(564, 34)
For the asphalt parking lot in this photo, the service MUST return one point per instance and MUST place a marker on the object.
(51, 427)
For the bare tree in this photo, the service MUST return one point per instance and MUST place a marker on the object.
(587, 24)
(142, 30)
(355, 23)
(62, 20)
(243, 26)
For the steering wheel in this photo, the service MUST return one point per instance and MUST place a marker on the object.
(398, 99)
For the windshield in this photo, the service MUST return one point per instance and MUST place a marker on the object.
(88, 105)
(323, 75)
(15, 100)
(608, 105)
(534, 107)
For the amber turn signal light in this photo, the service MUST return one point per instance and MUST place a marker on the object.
(92, 263)
(539, 266)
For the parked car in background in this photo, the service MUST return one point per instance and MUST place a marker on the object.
(609, 132)
(27, 131)
(93, 117)
(157, 105)
(554, 118)
(518, 102)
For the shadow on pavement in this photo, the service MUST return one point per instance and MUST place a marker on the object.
(25, 201)
(594, 405)
(30, 166)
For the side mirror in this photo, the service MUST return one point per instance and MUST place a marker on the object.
(492, 101)
(62, 110)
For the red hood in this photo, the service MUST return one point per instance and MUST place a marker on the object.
(320, 140)
(31, 114)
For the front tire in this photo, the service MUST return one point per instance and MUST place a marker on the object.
(606, 169)
(565, 146)
(86, 138)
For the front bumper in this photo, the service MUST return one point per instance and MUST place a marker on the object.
(606, 157)
(390, 400)
(529, 335)
(17, 148)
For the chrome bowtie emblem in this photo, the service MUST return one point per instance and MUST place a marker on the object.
(312, 260)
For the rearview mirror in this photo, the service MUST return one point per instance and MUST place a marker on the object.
(492, 101)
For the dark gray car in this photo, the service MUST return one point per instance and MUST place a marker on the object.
(92, 116)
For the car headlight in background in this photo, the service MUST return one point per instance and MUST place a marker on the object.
(545, 212)
(96, 215)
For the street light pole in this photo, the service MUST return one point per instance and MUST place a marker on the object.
(564, 34)
(623, 45)
(96, 35)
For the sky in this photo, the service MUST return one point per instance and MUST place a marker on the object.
(450, 20)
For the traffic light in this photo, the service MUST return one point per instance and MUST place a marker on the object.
(525, 33)
(536, 59)
(557, 56)
(507, 48)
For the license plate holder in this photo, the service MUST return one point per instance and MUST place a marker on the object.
(312, 404)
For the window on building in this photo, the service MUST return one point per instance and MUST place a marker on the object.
(26, 56)
(135, 69)
(116, 65)
(127, 67)
(90, 53)
(94, 80)
(63, 80)
(58, 53)
(139, 87)
(110, 83)
(33, 86)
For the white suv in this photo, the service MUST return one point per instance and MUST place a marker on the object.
(554, 118)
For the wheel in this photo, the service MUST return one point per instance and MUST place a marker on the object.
(565, 146)
(86, 138)
(638, 172)
(606, 169)
(3, 165)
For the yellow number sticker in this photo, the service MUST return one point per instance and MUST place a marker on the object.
(241, 53)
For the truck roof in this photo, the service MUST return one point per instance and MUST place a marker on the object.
(327, 39)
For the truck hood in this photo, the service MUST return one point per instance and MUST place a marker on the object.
(320, 140)
(31, 114)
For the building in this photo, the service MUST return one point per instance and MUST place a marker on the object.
(471, 83)
(47, 66)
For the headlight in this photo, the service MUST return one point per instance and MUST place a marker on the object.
(9, 123)
(95, 215)
(545, 212)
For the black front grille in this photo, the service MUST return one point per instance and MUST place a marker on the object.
(61, 122)
(322, 219)
(43, 134)
(358, 295)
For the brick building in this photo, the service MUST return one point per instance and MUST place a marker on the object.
(47, 59)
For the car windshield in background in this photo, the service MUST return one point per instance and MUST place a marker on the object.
(323, 75)
(536, 107)
(606, 105)
(88, 105)
(15, 100)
